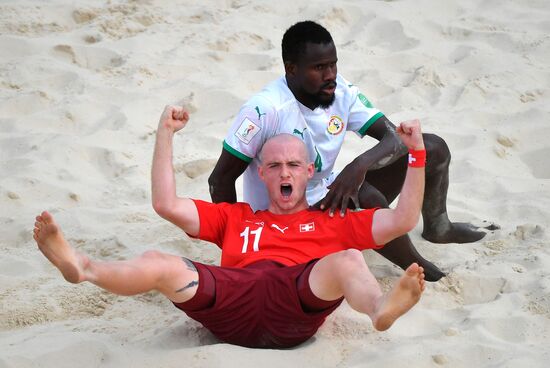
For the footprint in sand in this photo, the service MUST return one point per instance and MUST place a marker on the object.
(530, 96)
(390, 35)
(89, 57)
(196, 168)
(504, 143)
(93, 38)
(109, 164)
(237, 42)
(426, 83)
(528, 231)
(81, 16)
(334, 18)
(477, 289)
(538, 303)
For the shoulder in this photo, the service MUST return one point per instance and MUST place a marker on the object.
(352, 92)
(241, 209)
(204, 206)
(344, 86)
(273, 96)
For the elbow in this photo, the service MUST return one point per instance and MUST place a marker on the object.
(409, 223)
(213, 179)
(162, 208)
(222, 188)
(399, 147)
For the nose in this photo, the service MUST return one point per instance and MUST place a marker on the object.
(285, 172)
(329, 73)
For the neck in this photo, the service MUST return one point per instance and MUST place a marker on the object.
(279, 210)
(300, 96)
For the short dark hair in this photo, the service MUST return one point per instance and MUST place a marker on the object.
(296, 37)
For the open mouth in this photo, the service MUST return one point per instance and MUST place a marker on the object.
(286, 190)
(329, 88)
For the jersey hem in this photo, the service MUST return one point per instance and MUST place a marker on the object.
(369, 123)
(236, 153)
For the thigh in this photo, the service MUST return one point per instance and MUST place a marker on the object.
(331, 272)
(309, 301)
(205, 293)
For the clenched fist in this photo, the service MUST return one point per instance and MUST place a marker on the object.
(174, 118)
(410, 133)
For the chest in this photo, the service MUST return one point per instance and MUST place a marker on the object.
(254, 234)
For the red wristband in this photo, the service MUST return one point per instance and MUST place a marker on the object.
(417, 158)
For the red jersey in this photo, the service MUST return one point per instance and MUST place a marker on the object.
(246, 237)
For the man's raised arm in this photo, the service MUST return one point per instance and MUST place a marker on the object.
(182, 212)
(389, 224)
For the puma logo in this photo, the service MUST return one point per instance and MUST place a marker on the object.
(297, 132)
(260, 114)
(278, 228)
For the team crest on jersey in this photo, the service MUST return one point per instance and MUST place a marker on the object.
(305, 228)
(335, 125)
(247, 130)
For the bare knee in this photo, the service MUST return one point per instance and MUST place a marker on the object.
(350, 260)
(161, 266)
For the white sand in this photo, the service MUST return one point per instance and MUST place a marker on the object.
(81, 90)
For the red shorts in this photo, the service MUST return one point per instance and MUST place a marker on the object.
(265, 305)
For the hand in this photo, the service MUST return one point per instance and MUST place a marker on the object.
(410, 133)
(343, 188)
(174, 118)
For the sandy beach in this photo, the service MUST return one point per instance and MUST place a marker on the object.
(83, 83)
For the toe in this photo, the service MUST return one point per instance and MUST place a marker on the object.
(412, 269)
(47, 217)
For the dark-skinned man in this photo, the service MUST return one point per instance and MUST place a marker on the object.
(313, 102)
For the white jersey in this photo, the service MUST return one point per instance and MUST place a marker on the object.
(275, 110)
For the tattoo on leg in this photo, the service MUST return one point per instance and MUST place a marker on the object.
(190, 265)
(190, 285)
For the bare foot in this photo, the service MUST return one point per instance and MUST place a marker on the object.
(404, 295)
(53, 245)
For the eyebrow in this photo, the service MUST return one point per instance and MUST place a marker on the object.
(283, 162)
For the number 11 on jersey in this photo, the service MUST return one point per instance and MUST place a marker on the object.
(246, 232)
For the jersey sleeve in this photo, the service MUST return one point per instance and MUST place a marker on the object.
(213, 218)
(362, 113)
(250, 128)
(359, 224)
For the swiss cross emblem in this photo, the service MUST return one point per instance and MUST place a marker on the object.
(304, 228)
(411, 159)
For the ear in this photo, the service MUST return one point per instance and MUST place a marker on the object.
(290, 68)
(310, 170)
